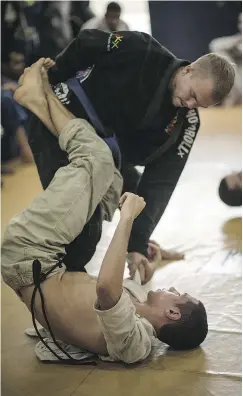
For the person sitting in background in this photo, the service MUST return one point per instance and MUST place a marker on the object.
(80, 13)
(230, 189)
(5, 170)
(13, 116)
(111, 22)
(231, 48)
(13, 65)
(14, 141)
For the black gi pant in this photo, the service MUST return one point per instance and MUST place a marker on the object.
(49, 158)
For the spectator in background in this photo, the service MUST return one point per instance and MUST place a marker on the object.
(19, 24)
(13, 116)
(13, 141)
(42, 27)
(54, 29)
(14, 64)
(231, 48)
(111, 22)
(80, 13)
(30, 30)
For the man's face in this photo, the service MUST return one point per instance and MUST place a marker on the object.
(165, 299)
(17, 63)
(112, 19)
(191, 91)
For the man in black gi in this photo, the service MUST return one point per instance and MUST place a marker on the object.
(128, 86)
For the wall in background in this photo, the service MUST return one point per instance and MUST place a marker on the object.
(187, 27)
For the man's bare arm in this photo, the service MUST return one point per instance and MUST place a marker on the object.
(109, 284)
(110, 279)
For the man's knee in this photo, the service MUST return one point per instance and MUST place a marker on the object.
(81, 142)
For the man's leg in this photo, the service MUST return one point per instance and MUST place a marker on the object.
(49, 158)
(46, 151)
(30, 82)
(58, 215)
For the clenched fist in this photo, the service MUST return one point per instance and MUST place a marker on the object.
(131, 205)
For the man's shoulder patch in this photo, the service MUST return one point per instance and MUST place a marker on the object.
(82, 75)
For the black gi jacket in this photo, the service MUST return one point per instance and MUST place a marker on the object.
(126, 76)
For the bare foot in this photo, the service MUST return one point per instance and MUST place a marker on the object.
(31, 94)
(49, 63)
(45, 82)
(21, 78)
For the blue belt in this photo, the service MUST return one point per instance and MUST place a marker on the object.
(111, 141)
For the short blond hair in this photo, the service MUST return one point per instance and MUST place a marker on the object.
(220, 70)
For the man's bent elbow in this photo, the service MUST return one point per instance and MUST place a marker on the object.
(102, 291)
(106, 298)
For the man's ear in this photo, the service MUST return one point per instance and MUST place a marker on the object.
(187, 69)
(173, 313)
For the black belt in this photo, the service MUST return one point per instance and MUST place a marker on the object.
(39, 277)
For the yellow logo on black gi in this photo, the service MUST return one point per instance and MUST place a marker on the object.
(116, 41)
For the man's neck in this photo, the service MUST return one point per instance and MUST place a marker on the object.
(145, 311)
(174, 77)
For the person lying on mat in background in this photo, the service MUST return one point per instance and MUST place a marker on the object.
(230, 189)
(117, 323)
